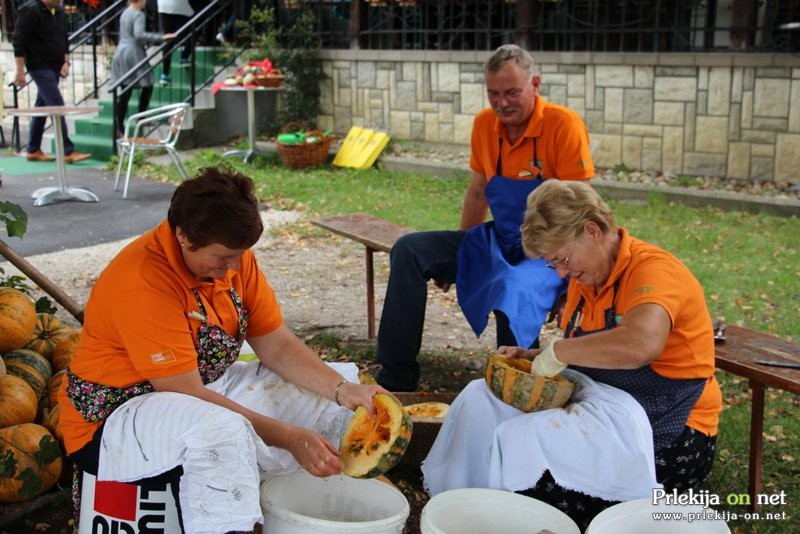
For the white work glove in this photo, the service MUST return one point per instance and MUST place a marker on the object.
(546, 363)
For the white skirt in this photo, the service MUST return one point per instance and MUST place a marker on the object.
(224, 461)
(600, 444)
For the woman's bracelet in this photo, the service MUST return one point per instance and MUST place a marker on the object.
(336, 392)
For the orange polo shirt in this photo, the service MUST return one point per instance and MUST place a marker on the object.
(562, 145)
(139, 324)
(649, 274)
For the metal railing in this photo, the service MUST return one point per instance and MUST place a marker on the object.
(188, 35)
(661, 26)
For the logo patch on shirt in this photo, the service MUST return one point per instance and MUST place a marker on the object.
(644, 289)
(163, 357)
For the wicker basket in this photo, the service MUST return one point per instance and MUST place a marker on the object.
(273, 79)
(306, 154)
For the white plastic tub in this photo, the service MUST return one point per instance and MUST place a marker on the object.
(635, 517)
(479, 511)
(300, 503)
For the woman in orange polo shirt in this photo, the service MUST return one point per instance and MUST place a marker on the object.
(639, 344)
(155, 387)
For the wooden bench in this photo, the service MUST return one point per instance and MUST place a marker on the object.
(738, 354)
(377, 235)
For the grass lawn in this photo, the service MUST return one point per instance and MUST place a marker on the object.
(748, 264)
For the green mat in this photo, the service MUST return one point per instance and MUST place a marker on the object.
(17, 165)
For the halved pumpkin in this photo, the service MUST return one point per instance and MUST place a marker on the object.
(372, 446)
(511, 381)
(428, 410)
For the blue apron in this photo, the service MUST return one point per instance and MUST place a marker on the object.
(493, 272)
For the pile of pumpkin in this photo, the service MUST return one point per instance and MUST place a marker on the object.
(35, 350)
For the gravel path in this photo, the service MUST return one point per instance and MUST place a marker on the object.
(320, 283)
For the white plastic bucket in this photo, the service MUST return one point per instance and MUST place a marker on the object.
(474, 510)
(117, 507)
(635, 517)
(300, 503)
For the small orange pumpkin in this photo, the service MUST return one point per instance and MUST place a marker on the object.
(49, 330)
(64, 350)
(30, 462)
(17, 401)
(17, 319)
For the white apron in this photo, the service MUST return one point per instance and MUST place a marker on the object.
(600, 444)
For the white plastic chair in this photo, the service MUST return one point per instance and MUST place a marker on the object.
(166, 121)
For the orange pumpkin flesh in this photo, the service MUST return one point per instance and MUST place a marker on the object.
(372, 446)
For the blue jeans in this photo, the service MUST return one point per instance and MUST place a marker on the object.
(46, 81)
(415, 259)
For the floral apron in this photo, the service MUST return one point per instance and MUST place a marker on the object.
(493, 272)
(216, 351)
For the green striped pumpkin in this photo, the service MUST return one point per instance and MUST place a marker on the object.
(511, 381)
(372, 446)
(30, 366)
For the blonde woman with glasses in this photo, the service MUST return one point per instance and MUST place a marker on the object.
(639, 345)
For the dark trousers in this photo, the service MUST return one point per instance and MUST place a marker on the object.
(122, 105)
(415, 259)
(170, 23)
(49, 94)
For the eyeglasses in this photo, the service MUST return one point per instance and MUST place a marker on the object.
(555, 264)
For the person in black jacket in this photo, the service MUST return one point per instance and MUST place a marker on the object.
(41, 47)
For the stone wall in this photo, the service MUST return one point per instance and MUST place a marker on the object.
(727, 114)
